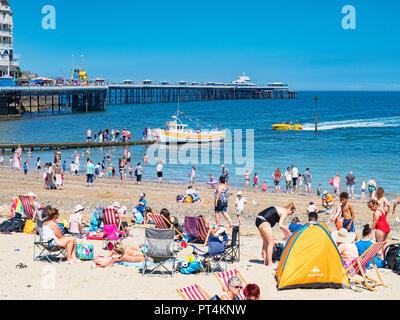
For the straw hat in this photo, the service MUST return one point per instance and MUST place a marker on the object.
(116, 205)
(78, 207)
(343, 236)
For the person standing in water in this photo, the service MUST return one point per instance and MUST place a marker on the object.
(266, 220)
(371, 186)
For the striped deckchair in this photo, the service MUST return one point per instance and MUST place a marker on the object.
(357, 267)
(223, 278)
(160, 222)
(193, 292)
(204, 229)
(28, 206)
(111, 217)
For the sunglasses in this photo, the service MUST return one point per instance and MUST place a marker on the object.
(238, 287)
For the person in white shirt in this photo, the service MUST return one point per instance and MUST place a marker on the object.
(295, 176)
(239, 205)
(159, 169)
(289, 181)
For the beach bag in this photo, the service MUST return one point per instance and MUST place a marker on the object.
(138, 218)
(29, 226)
(95, 235)
(84, 251)
(189, 199)
(339, 223)
(277, 251)
(392, 257)
(331, 182)
(191, 267)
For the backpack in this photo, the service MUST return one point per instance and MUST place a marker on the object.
(277, 251)
(13, 225)
(392, 257)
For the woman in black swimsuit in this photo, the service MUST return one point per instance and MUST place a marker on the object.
(266, 220)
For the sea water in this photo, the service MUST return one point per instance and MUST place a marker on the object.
(357, 131)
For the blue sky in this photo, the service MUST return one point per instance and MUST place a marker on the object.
(301, 43)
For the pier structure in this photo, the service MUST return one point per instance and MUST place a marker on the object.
(153, 93)
(69, 145)
(51, 99)
(29, 99)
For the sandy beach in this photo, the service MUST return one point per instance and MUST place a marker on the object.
(80, 281)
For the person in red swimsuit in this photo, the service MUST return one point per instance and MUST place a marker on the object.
(379, 223)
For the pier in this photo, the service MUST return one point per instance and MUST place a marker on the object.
(70, 145)
(51, 99)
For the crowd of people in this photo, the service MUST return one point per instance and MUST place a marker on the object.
(115, 135)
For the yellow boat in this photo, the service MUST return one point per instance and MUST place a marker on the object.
(287, 126)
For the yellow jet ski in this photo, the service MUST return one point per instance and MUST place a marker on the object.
(287, 126)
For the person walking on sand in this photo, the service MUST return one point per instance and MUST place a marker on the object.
(371, 186)
(138, 173)
(239, 205)
(89, 173)
(159, 169)
(221, 198)
(350, 182)
(192, 175)
(344, 211)
(266, 220)
(277, 179)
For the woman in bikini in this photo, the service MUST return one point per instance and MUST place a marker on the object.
(379, 224)
(127, 253)
(266, 220)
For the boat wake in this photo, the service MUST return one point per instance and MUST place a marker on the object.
(356, 123)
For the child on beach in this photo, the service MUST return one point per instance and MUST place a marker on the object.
(345, 211)
(25, 168)
(363, 188)
(295, 225)
(239, 205)
(264, 187)
(1, 159)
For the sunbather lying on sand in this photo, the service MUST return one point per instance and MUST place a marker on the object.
(127, 253)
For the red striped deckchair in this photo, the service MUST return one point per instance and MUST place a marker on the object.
(204, 229)
(30, 210)
(111, 217)
(223, 278)
(160, 222)
(193, 292)
(358, 266)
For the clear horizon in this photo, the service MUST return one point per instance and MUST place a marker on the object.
(301, 44)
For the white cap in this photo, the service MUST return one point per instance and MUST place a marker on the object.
(78, 207)
(31, 194)
(141, 195)
(239, 193)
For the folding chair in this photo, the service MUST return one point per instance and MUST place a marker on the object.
(112, 222)
(193, 292)
(223, 278)
(162, 223)
(233, 246)
(47, 250)
(30, 211)
(159, 248)
(357, 267)
(211, 259)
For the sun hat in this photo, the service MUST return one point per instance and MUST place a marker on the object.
(116, 205)
(325, 192)
(239, 193)
(343, 235)
(31, 194)
(78, 207)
